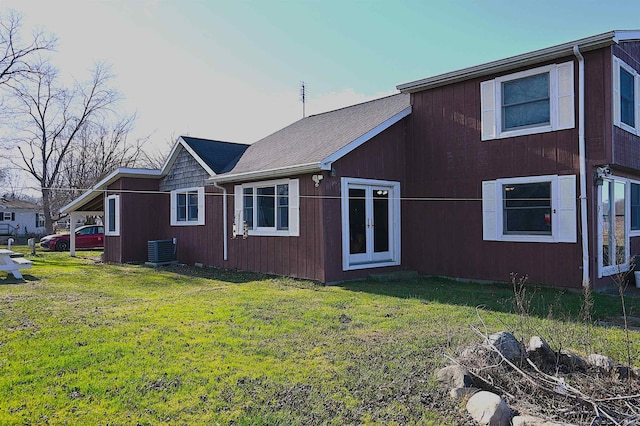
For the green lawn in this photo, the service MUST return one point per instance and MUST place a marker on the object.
(87, 343)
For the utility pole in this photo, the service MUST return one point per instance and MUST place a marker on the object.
(303, 97)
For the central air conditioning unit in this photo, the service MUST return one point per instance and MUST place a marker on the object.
(161, 251)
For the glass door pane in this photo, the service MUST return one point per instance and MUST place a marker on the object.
(615, 252)
(606, 224)
(620, 239)
(380, 220)
(357, 221)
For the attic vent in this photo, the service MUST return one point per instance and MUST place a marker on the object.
(161, 251)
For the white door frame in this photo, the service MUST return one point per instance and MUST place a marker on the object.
(607, 270)
(371, 259)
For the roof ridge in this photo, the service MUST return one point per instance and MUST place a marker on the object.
(354, 105)
(212, 140)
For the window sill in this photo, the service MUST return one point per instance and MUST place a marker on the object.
(269, 233)
(608, 271)
(627, 128)
(524, 132)
(186, 224)
(528, 238)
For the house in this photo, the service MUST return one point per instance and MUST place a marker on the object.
(528, 164)
(141, 205)
(20, 217)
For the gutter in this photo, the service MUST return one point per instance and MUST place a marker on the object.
(583, 167)
(225, 252)
(524, 60)
(270, 173)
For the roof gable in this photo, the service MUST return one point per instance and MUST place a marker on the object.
(316, 141)
(213, 156)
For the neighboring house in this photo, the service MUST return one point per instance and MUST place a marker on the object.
(529, 164)
(19, 217)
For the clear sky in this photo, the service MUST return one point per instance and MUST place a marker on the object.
(231, 70)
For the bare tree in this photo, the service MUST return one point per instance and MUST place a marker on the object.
(49, 119)
(99, 149)
(16, 55)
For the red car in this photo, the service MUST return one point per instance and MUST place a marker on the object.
(87, 237)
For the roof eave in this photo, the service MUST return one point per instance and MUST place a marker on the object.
(97, 189)
(526, 59)
(266, 174)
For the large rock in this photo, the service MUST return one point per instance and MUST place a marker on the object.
(600, 362)
(463, 393)
(573, 361)
(454, 376)
(507, 345)
(526, 420)
(478, 355)
(487, 408)
(539, 350)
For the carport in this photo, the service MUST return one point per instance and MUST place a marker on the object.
(91, 203)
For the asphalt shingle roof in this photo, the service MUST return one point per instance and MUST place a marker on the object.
(314, 138)
(220, 156)
(13, 203)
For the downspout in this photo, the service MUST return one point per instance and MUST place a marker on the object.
(224, 220)
(583, 167)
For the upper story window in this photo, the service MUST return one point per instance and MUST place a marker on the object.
(625, 96)
(187, 207)
(533, 101)
(525, 102)
(530, 209)
(268, 208)
(112, 215)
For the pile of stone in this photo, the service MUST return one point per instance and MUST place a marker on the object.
(484, 403)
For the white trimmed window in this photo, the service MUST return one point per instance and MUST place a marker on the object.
(40, 223)
(530, 209)
(268, 208)
(112, 215)
(187, 207)
(7, 216)
(626, 98)
(533, 101)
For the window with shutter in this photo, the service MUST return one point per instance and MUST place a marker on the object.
(530, 209)
(528, 102)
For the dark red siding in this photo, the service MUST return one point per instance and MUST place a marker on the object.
(139, 221)
(300, 257)
(382, 157)
(446, 164)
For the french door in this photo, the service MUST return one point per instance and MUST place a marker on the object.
(613, 235)
(370, 223)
